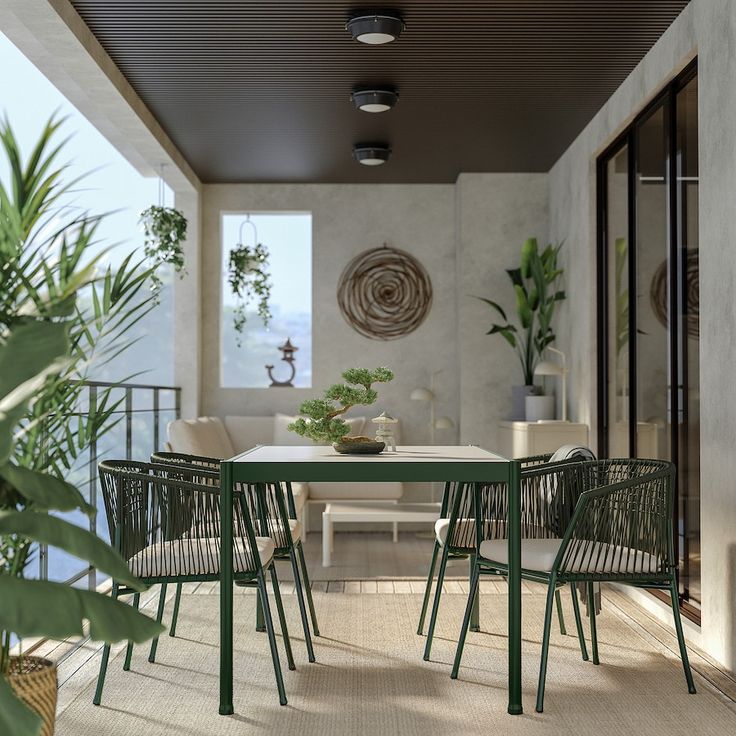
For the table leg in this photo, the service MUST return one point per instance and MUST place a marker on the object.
(326, 539)
(226, 589)
(514, 582)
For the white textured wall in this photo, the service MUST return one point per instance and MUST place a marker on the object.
(707, 28)
(496, 213)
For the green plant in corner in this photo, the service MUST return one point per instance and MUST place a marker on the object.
(48, 338)
(323, 422)
(164, 230)
(537, 294)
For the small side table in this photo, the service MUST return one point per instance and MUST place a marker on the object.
(522, 439)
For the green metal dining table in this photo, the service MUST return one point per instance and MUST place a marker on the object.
(409, 464)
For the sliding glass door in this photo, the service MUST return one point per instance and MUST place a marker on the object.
(648, 382)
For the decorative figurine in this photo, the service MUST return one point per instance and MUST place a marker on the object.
(288, 350)
(385, 432)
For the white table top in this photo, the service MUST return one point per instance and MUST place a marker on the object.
(403, 454)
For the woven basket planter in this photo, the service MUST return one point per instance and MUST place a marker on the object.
(34, 681)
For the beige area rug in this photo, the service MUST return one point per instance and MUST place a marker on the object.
(370, 678)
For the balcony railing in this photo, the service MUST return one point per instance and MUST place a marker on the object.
(139, 429)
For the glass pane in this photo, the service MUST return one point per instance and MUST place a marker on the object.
(689, 435)
(652, 298)
(288, 238)
(617, 210)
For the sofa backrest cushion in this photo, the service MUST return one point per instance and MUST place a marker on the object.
(203, 436)
(247, 432)
(282, 436)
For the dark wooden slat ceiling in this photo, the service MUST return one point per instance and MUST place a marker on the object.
(259, 91)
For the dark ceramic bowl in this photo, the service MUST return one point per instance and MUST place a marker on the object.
(370, 447)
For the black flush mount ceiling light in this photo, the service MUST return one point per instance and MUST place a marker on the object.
(373, 154)
(375, 28)
(374, 100)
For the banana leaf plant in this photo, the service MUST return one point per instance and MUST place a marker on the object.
(60, 313)
(535, 283)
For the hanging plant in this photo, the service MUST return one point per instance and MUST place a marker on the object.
(164, 229)
(249, 279)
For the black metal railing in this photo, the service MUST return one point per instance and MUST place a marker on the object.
(139, 426)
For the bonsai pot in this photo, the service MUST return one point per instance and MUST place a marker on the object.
(33, 680)
(358, 446)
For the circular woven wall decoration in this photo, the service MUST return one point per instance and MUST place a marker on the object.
(658, 294)
(384, 293)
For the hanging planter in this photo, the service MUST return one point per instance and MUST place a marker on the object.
(164, 230)
(249, 279)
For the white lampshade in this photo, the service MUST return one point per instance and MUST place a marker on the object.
(444, 423)
(421, 394)
(548, 368)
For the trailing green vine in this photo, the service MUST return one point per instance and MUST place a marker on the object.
(249, 278)
(164, 230)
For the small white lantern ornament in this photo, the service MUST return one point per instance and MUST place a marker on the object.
(385, 432)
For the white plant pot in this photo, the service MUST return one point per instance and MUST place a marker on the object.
(540, 407)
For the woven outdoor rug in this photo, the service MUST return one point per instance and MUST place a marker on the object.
(370, 678)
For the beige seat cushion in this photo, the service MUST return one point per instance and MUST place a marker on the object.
(275, 525)
(300, 492)
(465, 527)
(204, 436)
(540, 554)
(334, 491)
(193, 557)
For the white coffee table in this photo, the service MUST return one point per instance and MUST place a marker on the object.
(389, 512)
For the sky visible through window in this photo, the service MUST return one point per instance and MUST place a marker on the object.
(288, 237)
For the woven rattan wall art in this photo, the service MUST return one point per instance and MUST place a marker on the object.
(658, 294)
(384, 293)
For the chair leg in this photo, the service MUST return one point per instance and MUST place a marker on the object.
(578, 622)
(436, 603)
(428, 588)
(97, 699)
(263, 598)
(475, 613)
(681, 637)
(593, 629)
(545, 644)
(560, 615)
(282, 617)
(175, 615)
(302, 605)
(472, 596)
(307, 587)
(159, 618)
(129, 649)
(260, 623)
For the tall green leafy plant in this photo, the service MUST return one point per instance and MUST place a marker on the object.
(49, 338)
(535, 283)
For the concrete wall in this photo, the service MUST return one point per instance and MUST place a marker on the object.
(706, 29)
(496, 213)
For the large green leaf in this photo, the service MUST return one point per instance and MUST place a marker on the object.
(494, 305)
(73, 539)
(16, 718)
(45, 491)
(528, 254)
(522, 307)
(58, 611)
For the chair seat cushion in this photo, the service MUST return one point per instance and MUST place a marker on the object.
(274, 525)
(193, 557)
(583, 556)
(464, 530)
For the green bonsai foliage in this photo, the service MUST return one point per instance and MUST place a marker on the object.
(323, 423)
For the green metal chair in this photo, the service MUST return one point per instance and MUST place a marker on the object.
(616, 521)
(272, 517)
(455, 538)
(166, 525)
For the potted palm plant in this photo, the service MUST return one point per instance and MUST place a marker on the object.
(535, 284)
(49, 337)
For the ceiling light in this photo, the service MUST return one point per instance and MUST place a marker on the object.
(375, 28)
(374, 155)
(374, 100)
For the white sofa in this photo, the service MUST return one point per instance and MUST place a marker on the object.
(218, 438)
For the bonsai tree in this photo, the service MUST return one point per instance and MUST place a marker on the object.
(535, 285)
(323, 422)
